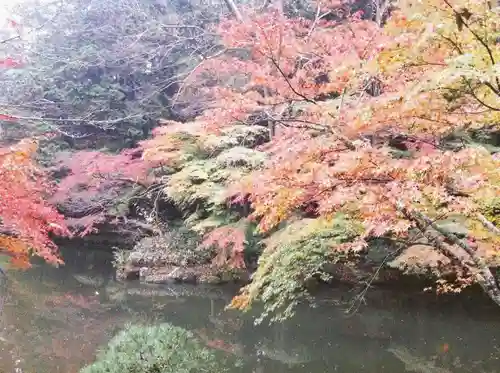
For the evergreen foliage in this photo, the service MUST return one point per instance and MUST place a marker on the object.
(161, 348)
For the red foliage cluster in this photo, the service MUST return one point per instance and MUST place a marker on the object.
(230, 241)
(334, 151)
(360, 116)
(7, 118)
(94, 169)
(95, 182)
(292, 60)
(26, 219)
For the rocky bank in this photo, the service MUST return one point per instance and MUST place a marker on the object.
(173, 257)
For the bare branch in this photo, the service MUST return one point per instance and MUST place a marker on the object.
(488, 224)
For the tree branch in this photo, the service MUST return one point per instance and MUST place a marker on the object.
(484, 276)
(476, 36)
(488, 224)
(473, 94)
(290, 84)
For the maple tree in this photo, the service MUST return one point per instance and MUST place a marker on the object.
(361, 117)
(97, 88)
(26, 219)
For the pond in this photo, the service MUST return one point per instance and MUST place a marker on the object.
(55, 319)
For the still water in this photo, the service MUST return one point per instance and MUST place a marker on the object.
(55, 319)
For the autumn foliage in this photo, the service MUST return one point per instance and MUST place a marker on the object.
(26, 219)
(347, 163)
(362, 116)
(94, 183)
(371, 129)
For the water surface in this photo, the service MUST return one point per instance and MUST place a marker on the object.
(54, 319)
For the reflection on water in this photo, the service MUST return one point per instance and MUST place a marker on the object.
(53, 320)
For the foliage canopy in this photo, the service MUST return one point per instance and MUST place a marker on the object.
(322, 131)
(361, 116)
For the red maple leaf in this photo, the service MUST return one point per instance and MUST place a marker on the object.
(7, 118)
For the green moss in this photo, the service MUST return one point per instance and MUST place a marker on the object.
(185, 194)
(239, 135)
(203, 182)
(241, 157)
(204, 225)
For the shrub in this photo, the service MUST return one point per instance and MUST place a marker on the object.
(160, 348)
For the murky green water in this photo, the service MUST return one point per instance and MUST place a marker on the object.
(54, 320)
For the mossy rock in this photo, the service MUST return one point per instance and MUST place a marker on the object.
(179, 247)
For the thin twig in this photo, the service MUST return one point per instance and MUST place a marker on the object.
(79, 120)
(290, 84)
(478, 38)
(473, 94)
(18, 36)
(316, 19)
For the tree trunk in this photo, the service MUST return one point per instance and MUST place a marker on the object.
(234, 9)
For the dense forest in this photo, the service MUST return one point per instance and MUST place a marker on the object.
(279, 144)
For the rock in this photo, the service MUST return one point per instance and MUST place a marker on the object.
(172, 258)
(128, 272)
(147, 259)
(96, 281)
(144, 272)
(419, 259)
(209, 279)
(169, 274)
(174, 275)
(179, 247)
